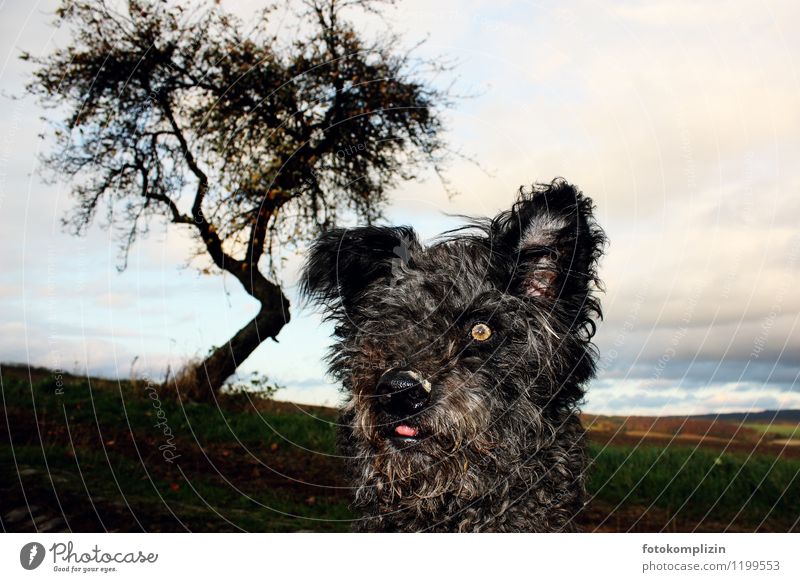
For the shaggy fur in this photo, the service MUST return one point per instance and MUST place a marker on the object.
(497, 443)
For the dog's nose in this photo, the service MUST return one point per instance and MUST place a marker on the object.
(403, 392)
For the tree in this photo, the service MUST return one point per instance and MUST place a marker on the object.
(175, 115)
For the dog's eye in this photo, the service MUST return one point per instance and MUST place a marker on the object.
(481, 332)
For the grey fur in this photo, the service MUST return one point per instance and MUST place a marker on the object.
(500, 445)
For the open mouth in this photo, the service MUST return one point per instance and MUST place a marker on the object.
(405, 433)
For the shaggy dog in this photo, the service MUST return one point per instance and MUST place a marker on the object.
(463, 363)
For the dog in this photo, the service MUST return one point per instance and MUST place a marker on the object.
(464, 363)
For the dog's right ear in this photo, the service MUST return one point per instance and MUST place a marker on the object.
(342, 263)
(549, 244)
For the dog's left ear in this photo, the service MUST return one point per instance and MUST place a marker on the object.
(550, 243)
(343, 263)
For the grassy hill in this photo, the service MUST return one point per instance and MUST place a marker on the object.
(86, 454)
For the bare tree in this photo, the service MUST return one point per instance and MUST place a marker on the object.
(250, 141)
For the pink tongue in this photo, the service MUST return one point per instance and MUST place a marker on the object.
(406, 431)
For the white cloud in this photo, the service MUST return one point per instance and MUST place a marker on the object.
(634, 397)
(680, 119)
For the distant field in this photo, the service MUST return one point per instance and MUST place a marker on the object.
(783, 430)
(91, 459)
(739, 436)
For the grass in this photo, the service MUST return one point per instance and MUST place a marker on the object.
(697, 482)
(92, 447)
(150, 497)
(125, 406)
(240, 466)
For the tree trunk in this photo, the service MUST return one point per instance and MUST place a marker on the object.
(210, 375)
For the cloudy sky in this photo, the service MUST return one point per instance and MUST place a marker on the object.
(681, 120)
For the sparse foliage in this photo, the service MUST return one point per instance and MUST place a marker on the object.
(185, 115)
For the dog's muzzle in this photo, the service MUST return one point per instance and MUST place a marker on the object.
(402, 392)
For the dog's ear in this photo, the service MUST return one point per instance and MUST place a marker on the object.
(549, 244)
(342, 263)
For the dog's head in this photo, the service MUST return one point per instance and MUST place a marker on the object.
(447, 350)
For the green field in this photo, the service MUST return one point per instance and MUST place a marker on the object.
(789, 431)
(87, 454)
(699, 483)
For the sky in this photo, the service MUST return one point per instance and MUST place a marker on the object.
(679, 119)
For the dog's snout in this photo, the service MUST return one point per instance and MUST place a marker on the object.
(403, 392)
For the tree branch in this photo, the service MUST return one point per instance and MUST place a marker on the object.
(202, 178)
